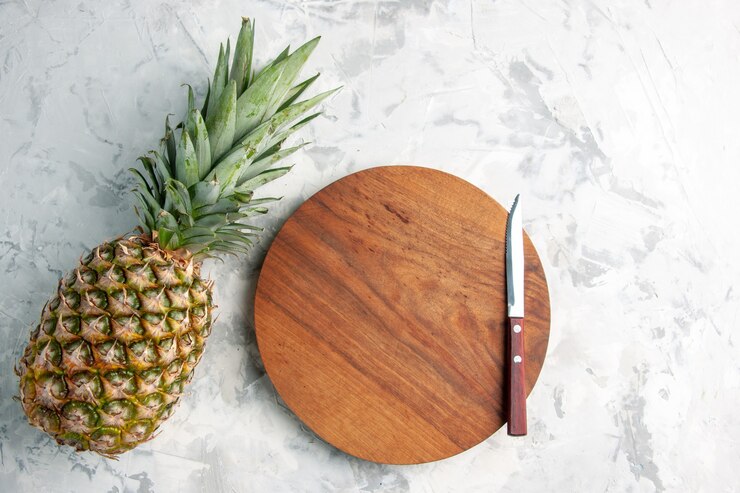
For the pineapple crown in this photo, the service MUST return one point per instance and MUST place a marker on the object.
(197, 190)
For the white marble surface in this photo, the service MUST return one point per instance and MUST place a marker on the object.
(616, 120)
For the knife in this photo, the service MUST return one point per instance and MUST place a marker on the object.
(517, 398)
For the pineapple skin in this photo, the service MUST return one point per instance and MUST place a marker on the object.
(115, 346)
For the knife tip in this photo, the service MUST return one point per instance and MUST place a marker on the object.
(516, 201)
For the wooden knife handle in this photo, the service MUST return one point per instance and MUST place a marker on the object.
(517, 397)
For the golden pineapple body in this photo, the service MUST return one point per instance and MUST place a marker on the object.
(115, 345)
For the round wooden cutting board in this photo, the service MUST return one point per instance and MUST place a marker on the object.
(380, 314)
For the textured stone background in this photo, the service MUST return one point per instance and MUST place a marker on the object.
(616, 120)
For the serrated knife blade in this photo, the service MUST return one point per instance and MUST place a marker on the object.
(515, 261)
(516, 395)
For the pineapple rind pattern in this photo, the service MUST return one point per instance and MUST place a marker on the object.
(115, 346)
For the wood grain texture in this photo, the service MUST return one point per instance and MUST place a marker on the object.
(517, 392)
(381, 314)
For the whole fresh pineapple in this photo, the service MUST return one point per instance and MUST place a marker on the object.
(117, 343)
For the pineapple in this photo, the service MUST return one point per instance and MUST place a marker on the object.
(115, 346)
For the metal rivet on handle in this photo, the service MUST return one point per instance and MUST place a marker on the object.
(517, 328)
(517, 359)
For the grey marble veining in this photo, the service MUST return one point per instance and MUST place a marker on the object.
(617, 121)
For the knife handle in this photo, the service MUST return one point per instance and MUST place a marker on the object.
(517, 398)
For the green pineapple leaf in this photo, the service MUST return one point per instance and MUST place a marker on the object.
(278, 138)
(254, 211)
(144, 212)
(180, 197)
(293, 65)
(261, 138)
(169, 140)
(207, 100)
(144, 188)
(196, 127)
(282, 55)
(263, 178)
(167, 228)
(220, 124)
(296, 91)
(264, 200)
(220, 77)
(258, 167)
(154, 176)
(242, 64)
(211, 221)
(205, 193)
(191, 99)
(162, 167)
(186, 165)
(235, 249)
(221, 206)
(251, 105)
(240, 226)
